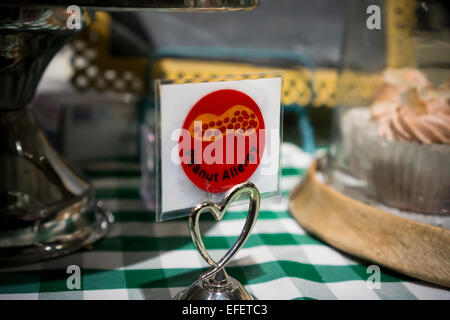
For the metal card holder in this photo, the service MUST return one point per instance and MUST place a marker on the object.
(232, 100)
(216, 284)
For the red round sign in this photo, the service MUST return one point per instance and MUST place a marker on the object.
(222, 140)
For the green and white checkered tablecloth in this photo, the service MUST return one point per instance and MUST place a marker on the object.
(141, 259)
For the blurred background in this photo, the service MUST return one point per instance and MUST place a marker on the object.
(95, 104)
(98, 90)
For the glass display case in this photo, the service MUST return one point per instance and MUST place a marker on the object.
(391, 136)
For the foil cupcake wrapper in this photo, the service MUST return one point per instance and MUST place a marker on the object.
(404, 174)
(410, 175)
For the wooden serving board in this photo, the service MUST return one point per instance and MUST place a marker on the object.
(413, 248)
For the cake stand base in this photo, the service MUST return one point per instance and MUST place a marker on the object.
(407, 246)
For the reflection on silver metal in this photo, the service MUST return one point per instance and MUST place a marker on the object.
(215, 284)
(121, 5)
(69, 231)
(47, 208)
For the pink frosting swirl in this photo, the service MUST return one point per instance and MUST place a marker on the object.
(424, 118)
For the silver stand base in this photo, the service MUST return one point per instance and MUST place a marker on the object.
(206, 290)
(46, 208)
(54, 238)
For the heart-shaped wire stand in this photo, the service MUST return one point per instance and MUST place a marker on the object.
(216, 284)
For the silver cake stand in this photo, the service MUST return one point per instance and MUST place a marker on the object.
(46, 207)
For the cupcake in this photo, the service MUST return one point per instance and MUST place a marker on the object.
(401, 143)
